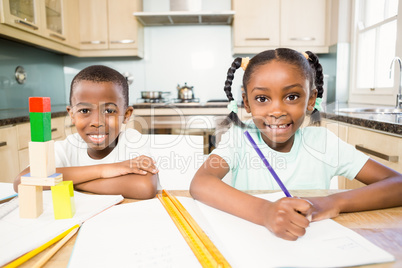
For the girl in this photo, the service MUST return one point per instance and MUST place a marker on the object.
(281, 86)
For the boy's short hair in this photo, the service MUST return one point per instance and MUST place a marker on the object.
(98, 74)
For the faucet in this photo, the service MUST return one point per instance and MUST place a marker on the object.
(399, 95)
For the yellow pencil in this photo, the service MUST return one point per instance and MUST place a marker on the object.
(34, 252)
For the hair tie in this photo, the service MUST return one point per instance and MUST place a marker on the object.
(232, 106)
(244, 63)
(305, 55)
(317, 105)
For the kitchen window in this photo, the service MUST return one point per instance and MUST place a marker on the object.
(374, 46)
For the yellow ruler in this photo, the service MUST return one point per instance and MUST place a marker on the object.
(205, 251)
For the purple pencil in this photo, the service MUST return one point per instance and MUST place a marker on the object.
(265, 161)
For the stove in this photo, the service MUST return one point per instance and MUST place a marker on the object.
(194, 100)
(150, 101)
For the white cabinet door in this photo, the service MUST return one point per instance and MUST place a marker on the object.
(303, 23)
(256, 23)
(9, 164)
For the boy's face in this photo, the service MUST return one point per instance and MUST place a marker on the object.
(98, 112)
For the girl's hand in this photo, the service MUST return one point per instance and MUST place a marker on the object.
(288, 217)
(323, 208)
(140, 165)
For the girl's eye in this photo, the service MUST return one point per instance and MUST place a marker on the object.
(292, 97)
(261, 99)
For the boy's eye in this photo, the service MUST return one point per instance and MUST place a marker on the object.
(110, 111)
(261, 99)
(83, 111)
(292, 97)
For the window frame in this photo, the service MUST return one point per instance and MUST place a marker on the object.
(378, 96)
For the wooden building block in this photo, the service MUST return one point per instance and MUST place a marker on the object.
(39, 104)
(30, 201)
(63, 200)
(41, 129)
(42, 159)
(52, 180)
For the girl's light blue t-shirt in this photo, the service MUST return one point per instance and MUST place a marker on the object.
(316, 156)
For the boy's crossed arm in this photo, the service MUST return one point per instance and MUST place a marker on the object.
(135, 178)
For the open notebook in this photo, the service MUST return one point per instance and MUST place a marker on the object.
(142, 234)
(19, 236)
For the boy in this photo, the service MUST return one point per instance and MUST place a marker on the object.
(99, 158)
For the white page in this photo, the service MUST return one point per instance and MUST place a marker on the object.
(139, 234)
(142, 234)
(6, 190)
(325, 244)
(19, 236)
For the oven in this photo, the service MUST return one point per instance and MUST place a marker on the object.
(184, 119)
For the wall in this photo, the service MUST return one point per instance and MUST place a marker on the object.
(199, 55)
(45, 76)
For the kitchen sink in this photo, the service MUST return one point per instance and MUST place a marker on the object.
(371, 110)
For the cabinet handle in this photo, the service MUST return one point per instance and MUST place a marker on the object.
(26, 24)
(390, 158)
(57, 36)
(93, 42)
(258, 39)
(3, 143)
(53, 130)
(302, 38)
(126, 41)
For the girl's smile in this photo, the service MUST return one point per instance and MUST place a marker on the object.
(277, 97)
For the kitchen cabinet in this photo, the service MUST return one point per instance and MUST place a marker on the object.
(260, 25)
(256, 24)
(383, 148)
(108, 28)
(44, 23)
(8, 154)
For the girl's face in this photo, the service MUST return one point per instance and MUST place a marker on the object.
(278, 97)
(98, 113)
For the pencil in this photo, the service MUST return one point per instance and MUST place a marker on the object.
(265, 161)
(53, 251)
(39, 249)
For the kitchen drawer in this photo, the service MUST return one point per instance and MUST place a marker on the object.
(9, 165)
(383, 148)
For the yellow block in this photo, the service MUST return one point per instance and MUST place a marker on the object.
(63, 200)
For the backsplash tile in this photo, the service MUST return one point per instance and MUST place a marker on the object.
(45, 75)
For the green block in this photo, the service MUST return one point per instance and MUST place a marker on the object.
(41, 129)
(63, 200)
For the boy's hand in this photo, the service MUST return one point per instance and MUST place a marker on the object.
(324, 208)
(140, 165)
(288, 217)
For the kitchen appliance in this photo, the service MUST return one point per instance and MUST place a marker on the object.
(153, 97)
(185, 92)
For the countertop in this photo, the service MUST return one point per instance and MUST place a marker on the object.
(18, 116)
(388, 123)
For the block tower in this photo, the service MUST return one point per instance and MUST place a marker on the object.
(42, 163)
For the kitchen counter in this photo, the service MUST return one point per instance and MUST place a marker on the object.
(389, 123)
(18, 116)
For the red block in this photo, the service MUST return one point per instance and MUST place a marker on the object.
(39, 104)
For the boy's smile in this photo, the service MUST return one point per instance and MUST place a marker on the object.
(277, 97)
(98, 112)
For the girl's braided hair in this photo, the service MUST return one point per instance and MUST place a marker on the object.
(310, 68)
